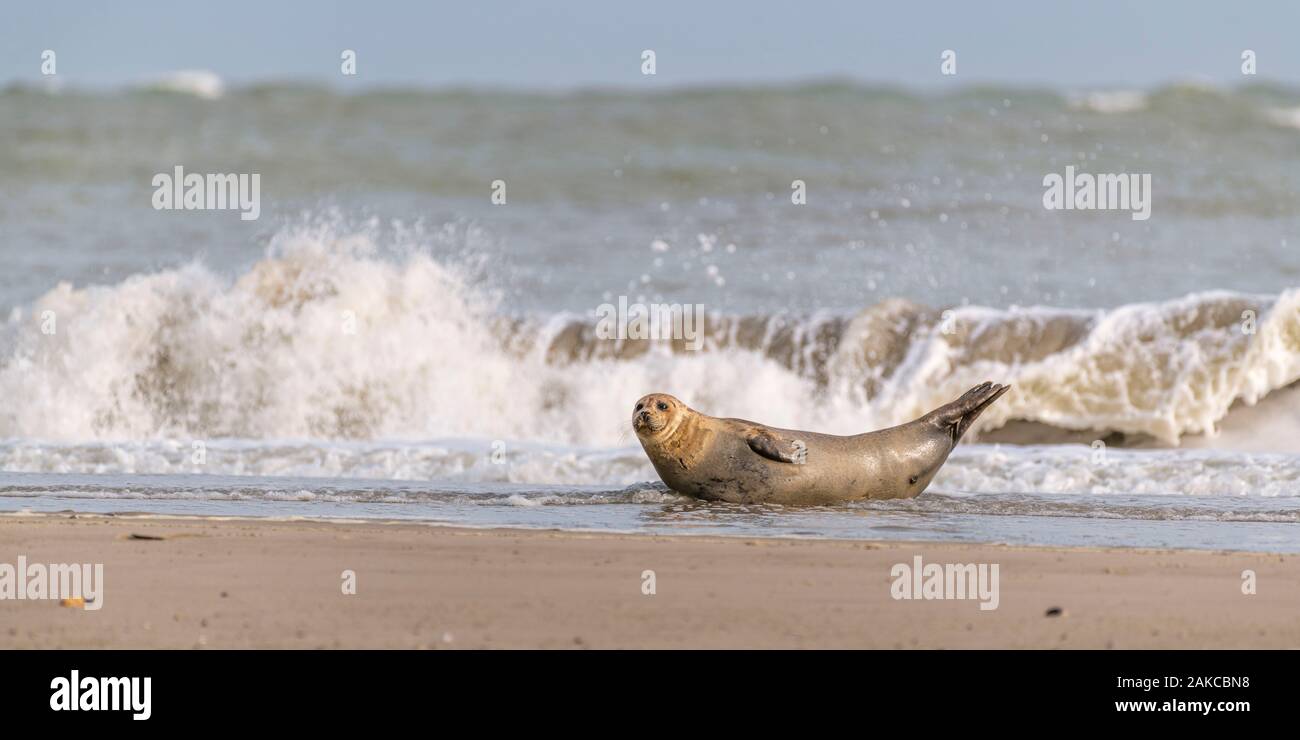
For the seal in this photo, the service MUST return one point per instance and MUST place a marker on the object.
(744, 462)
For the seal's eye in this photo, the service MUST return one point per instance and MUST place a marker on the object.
(661, 406)
(638, 407)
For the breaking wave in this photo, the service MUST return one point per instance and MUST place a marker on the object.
(199, 83)
(325, 340)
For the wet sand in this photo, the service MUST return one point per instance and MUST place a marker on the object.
(212, 583)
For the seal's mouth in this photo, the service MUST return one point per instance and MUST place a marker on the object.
(645, 421)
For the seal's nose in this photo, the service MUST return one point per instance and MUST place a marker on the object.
(644, 416)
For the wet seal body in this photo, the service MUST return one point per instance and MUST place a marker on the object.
(744, 462)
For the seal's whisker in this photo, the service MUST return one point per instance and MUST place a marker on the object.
(624, 434)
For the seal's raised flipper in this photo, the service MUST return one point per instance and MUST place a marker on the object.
(959, 415)
(771, 448)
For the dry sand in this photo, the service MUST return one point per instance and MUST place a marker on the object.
(256, 583)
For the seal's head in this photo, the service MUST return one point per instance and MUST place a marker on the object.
(657, 414)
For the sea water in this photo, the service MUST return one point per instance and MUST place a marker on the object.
(386, 341)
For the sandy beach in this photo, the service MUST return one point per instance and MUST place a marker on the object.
(205, 583)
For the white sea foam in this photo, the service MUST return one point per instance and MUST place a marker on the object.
(1160, 369)
(200, 83)
(465, 470)
(1285, 117)
(1110, 101)
(1076, 469)
(325, 340)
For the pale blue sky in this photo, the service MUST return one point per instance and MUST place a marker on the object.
(560, 44)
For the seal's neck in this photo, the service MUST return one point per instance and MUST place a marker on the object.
(680, 441)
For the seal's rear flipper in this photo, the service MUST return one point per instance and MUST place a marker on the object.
(960, 414)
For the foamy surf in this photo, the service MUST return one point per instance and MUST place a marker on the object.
(1285, 117)
(326, 340)
(1110, 101)
(1224, 502)
(973, 469)
(199, 83)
